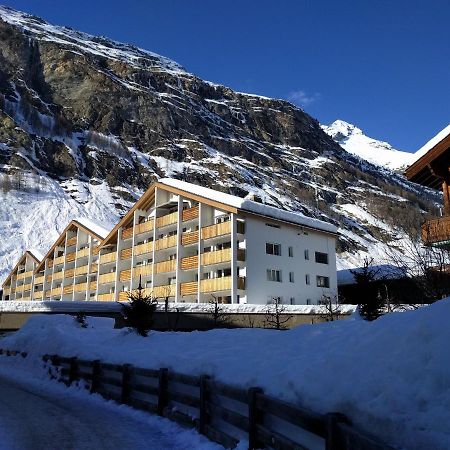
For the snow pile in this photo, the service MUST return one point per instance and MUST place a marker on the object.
(352, 139)
(391, 376)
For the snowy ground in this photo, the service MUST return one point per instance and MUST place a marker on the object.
(38, 414)
(391, 376)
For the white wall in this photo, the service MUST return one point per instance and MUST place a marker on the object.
(257, 261)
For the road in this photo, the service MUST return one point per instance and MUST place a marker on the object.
(47, 415)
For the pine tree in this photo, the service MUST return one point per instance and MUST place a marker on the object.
(371, 304)
(138, 314)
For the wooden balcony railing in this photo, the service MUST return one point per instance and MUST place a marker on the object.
(125, 275)
(69, 273)
(168, 219)
(106, 297)
(190, 214)
(38, 294)
(166, 266)
(139, 229)
(218, 229)
(49, 278)
(23, 275)
(6, 291)
(25, 298)
(56, 291)
(59, 260)
(50, 263)
(26, 287)
(107, 278)
(123, 296)
(68, 289)
(71, 241)
(168, 290)
(82, 270)
(189, 288)
(219, 256)
(142, 249)
(436, 231)
(126, 253)
(166, 242)
(58, 275)
(80, 287)
(108, 257)
(190, 237)
(80, 254)
(39, 280)
(212, 285)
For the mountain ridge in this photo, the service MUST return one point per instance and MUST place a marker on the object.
(88, 131)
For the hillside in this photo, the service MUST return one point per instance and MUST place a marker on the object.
(87, 123)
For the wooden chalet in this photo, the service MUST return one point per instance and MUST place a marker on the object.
(432, 170)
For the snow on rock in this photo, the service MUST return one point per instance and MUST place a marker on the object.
(390, 376)
(352, 139)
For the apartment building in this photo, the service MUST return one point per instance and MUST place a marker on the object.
(19, 284)
(69, 269)
(192, 244)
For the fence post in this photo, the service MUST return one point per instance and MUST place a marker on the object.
(332, 420)
(204, 398)
(163, 385)
(96, 372)
(254, 417)
(126, 383)
(73, 370)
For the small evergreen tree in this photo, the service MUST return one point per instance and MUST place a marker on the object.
(138, 314)
(371, 304)
(81, 320)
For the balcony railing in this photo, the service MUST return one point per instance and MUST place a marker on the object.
(218, 229)
(23, 275)
(190, 237)
(166, 242)
(80, 254)
(211, 285)
(138, 229)
(108, 257)
(38, 294)
(166, 266)
(107, 278)
(71, 241)
(436, 232)
(166, 220)
(106, 297)
(190, 214)
(39, 280)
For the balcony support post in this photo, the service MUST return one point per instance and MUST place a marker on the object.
(234, 266)
(445, 192)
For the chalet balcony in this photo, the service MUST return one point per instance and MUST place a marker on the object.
(38, 295)
(71, 241)
(436, 232)
(107, 278)
(23, 275)
(106, 297)
(39, 280)
(211, 285)
(108, 257)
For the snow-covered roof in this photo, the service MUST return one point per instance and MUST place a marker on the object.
(432, 142)
(380, 272)
(37, 254)
(99, 228)
(249, 205)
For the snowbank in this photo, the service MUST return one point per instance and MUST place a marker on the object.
(391, 376)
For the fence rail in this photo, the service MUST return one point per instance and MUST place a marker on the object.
(223, 413)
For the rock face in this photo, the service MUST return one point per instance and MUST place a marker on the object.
(83, 111)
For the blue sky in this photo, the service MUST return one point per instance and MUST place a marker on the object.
(382, 65)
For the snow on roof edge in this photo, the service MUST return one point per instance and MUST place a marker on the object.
(249, 205)
(432, 142)
(37, 254)
(99, 228)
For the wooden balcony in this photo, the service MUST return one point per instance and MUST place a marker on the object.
(39, 280)
(142, 249)
(212, 285)
(49, 278)
(6, 291)
(71, 241)
(190, 214)
(436, 232)
(168, 290)
(69, 273)
(80, 287)
(83, 270)
(38, 294)
(166, 266)
(106, 297)
(166, 220)
(56, 291)
(167, 242)
(26, 287)
(107, 278)
(123, 296)
(50, 263)
(126, 253)
(58, 275)
(216, 230)
(125, 275)
(80, 254)
(21, 276)
(59, 260)
(138, 229)
(25, 298)
(190, 237)
(144, 271)
(68, 289)
(108, 257)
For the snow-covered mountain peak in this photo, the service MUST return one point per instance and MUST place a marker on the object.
(83, 42)
(381, 153)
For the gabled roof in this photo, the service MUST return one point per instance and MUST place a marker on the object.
(220, 200)
(87, 225)
(433, 161)
(21, 259)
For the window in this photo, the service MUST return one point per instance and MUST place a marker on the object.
(307, 254)
(272, 225)
(292, 301)
(321, 258)
(308, 301)
(274, 275)
(291, 277)
(271, 300)
(291, 252)
(222, 219)
(323, 281)
(273, 249)
(307, 279)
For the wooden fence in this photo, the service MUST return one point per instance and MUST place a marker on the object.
(223, 413)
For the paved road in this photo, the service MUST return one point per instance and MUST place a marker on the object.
(33, 417)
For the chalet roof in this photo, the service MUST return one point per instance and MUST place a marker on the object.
(381, 272)
(220, 200)
(33, 255)
(89, 226)
(433, 161)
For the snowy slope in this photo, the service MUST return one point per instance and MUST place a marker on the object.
(390, 376)
(352, 139)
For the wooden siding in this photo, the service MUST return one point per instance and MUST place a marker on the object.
(218, 229)
(108, 257)
(190, 214)
(436, 231)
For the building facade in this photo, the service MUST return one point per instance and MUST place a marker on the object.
(194, 245)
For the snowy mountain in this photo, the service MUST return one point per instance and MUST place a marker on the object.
(352, 139)
(86, 124)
